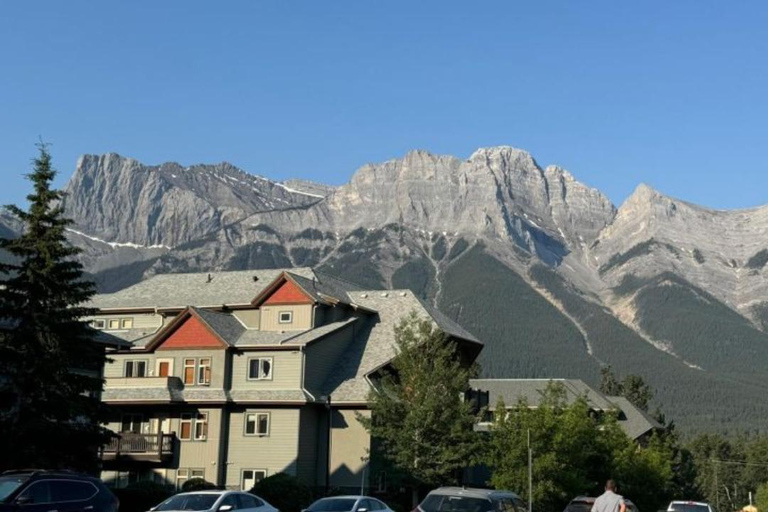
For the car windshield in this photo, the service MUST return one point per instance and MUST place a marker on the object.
(442, 503)
(333, 505)
(189, 502)
(688, 507)
(579, 506)
(8, 484)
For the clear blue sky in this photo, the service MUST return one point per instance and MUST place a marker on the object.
(668, 93)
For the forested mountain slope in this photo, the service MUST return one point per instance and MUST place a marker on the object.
(544, 269)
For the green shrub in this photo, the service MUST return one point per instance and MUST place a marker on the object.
(197, 484)
(285, 492)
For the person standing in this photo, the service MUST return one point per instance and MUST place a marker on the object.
(609, 501)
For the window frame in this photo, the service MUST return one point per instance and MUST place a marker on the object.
(186, 367)
(186, 418)
(99, 323)
(124, 321)
(133, 416)
(201, 418)
(203, 379)
(161, 360)
(280, 317)
(133, 363)
(256, 423)
(261, 368)
(109, 324)
(255, 470)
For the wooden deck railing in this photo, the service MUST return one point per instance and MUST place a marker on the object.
(127, 444)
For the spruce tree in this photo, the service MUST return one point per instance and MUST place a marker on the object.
(50, 365)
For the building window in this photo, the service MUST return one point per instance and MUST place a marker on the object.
(189, 371)
(135, 368)
(204, 372)
(285, 317)
(186, 427)
(127, 323)
(99, 324)
(114, 324)
(182, 475)
(257, 424)
(201, 426)
(251, 477)
(132, 423)
(260, 368)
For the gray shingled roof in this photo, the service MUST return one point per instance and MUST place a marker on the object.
(374, 344)
(633, 421)
(268, 395)
(225, 325)
(194, 289)
(532, 390)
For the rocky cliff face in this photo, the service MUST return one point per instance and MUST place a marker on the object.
(545, 269)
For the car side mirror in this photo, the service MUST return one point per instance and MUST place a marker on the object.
(362, 509)
(225, 508)
(24, 499)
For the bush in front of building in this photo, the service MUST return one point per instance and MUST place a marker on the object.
(285, 492)
(197, 484)
(141, 496)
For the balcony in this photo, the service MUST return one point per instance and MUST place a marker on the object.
(156, 448)
(142, 389)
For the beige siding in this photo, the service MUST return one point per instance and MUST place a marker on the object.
(251, 318)
(302, 318)
(323, 356)
(116, 367)
(144, 321)
(277, 452)
(202, 454)
(286, 370)
(350, 444)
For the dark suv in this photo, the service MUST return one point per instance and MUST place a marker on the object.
(54, 491)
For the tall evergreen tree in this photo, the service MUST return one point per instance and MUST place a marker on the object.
(418, 418)
(50, 414)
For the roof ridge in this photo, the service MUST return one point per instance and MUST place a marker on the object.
(333, 276)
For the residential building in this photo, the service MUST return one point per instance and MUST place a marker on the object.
(637, 424)
(234, 376)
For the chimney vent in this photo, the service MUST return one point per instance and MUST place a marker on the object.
(210, 278)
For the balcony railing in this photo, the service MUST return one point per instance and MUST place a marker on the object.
(147, 447)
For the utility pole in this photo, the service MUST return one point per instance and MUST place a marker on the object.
(530, 473)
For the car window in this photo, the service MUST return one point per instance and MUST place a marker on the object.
(248, 501)
(37, 492)
(379, 505)
(195, 501)
(520, 505)
(333, 505)
(69, 490)
(445, 503)
(232, 500)
(8, 484)
(366, 504)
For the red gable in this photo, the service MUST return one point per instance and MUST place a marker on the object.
(192, 333)
(288, 293)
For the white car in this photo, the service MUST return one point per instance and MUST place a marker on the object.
(214, 501)
(348, 504)
(689, 506)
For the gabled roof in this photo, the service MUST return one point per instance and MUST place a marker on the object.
(374, 344)
(635, 422)
(202, 289)
(223, 327)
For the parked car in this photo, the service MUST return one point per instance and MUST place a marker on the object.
(689, 506)
(348, 504)
(62, 491)
(585, 503)
(461, 499)
(214, 501)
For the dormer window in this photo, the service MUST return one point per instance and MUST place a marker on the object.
(260, 368)
(285, 317)
(99, 324)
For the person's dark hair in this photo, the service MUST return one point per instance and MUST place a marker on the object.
(610, 485)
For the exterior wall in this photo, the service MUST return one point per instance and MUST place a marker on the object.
(251, 318)
(350, 446)
(302, 317)
(323, 356)
(309, 430)
(286, 370)
(116, 367)
(191, 334)
(202, 454)
(275, 453)
(144, 321)
(288, 293)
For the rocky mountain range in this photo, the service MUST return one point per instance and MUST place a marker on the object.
(546, 270)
